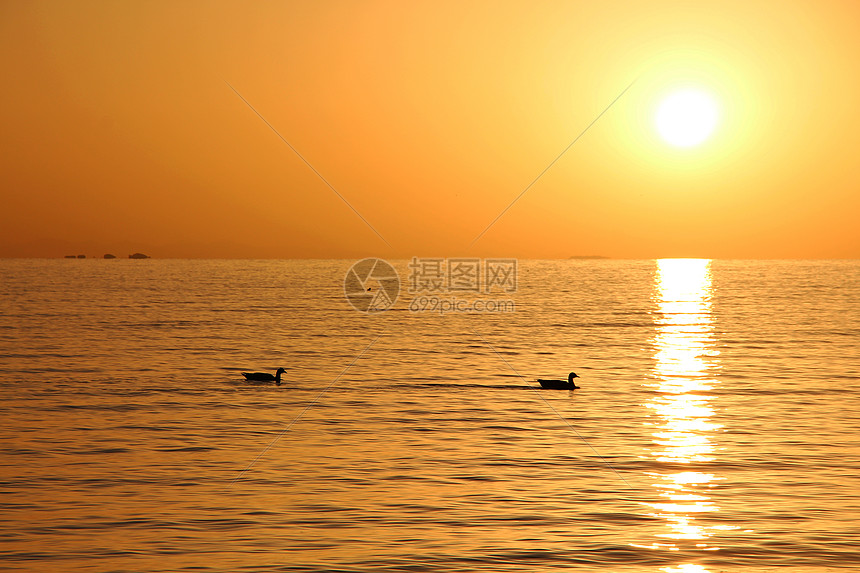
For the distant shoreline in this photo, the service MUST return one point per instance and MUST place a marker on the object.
(341, 258)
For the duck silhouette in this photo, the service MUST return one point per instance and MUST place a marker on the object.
(568, 384)
(264, 376)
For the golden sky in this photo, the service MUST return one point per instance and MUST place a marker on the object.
(120, 131)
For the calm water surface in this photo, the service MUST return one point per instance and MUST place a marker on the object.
(716, 428)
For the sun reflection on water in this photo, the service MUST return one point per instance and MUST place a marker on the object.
(683, 433)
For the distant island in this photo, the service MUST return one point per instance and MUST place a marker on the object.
(588, 257)
(110, 256)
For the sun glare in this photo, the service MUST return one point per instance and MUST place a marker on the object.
(686, 118)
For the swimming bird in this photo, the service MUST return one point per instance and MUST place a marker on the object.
(560, 384)
(264, 376)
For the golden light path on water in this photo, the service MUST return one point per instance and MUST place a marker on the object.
(682, 430)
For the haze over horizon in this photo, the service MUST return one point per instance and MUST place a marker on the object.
(122, 133)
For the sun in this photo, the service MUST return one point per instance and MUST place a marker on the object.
(686, 117)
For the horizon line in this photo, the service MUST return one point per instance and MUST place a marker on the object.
(359, 257)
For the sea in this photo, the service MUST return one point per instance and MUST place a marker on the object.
(716, 427)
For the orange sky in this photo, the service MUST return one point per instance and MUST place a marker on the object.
(120, 134)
